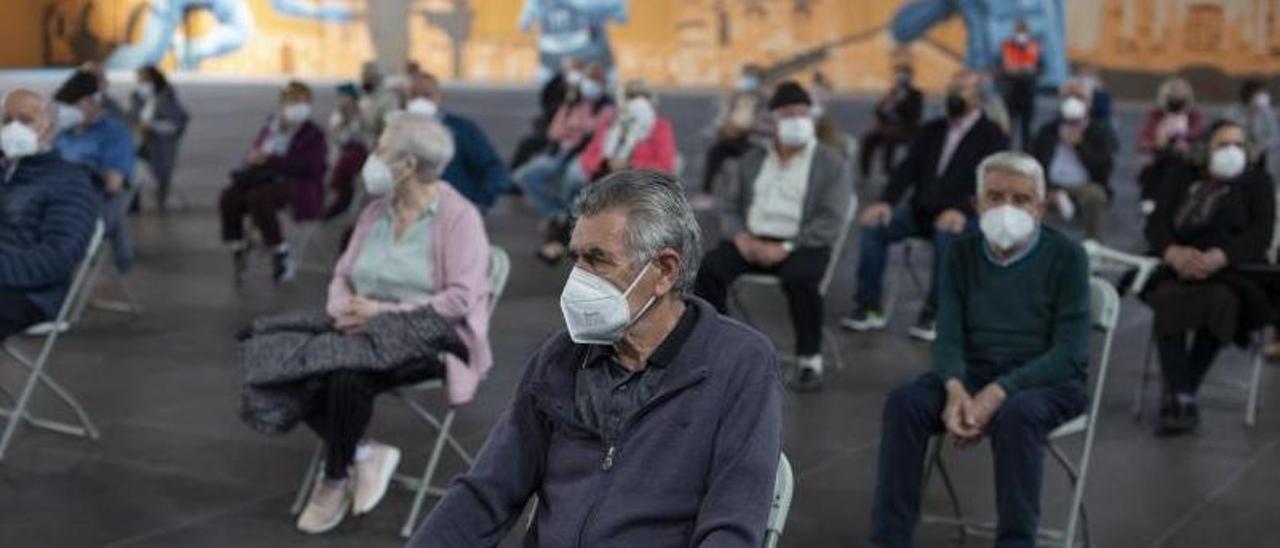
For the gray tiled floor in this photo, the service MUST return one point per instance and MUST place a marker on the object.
(175, 467)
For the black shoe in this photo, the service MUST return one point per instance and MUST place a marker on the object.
(239, 264)
(805, 379)
(1178, 418)
(282, 268)
(925, 328)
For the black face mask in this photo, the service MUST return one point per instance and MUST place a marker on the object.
(956, 105)
(1175, 105)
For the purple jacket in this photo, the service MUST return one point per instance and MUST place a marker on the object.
(303, 168)
(695, 466)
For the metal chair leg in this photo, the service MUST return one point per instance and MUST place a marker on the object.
(308, 480)
(829, 341)
(934, 460)
(86, 428)
(1255, 380)
(427, 475)
(1073, 477)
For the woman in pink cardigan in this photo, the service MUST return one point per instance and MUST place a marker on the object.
(419, 244)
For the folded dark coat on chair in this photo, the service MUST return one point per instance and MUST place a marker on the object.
(279, 355)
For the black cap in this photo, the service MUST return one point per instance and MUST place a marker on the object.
(81, 84)
(789, 93)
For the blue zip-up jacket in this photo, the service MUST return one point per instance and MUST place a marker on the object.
(476, 169)
(693, 467)
(48, 209)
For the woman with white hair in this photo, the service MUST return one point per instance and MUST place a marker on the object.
(420, 243)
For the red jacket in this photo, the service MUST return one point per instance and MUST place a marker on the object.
(657, 152)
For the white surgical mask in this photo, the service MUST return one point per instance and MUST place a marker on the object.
(1227, 163)
(423, 106)
(748, 83)
(1005, 227)
(377, 176)
(146, 90)
(18, 140)
(1262, 100)
(591, 89)
(641, 112)
(573, 77)
(795, 131)
(595, 311)
(1074, 109)
(69, 116)
(296, 113)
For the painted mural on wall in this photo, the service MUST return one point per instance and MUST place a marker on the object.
(670, 42)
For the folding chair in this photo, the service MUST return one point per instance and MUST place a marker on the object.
(129, 303)
(499, 271)
(1105, 306)
(773, 280)
(913, 274)
(51, 331)
(783, 489)
(1104, 259)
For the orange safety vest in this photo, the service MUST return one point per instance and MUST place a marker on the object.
(1016, 56)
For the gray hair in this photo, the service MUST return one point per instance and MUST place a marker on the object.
(1012, 162)
(422, 138)
(658, 217)
(1175, 85)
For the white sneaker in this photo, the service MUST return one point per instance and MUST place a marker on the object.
(329, 502)
(373, 474)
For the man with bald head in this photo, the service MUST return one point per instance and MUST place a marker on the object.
(48, 215)
(939, 174)
(476, 169)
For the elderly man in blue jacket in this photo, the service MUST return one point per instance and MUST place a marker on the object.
(48, 209)
(651, 421)
(476, 169)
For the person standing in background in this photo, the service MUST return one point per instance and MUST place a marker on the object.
(159, 121)
(1020, 66)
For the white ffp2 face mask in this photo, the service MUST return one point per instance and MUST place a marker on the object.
(69, 116)
(1073, 108)
(377, 176)
(17, 140)
(795, 131)
(423, 106)
(595, 311)
(1006, 226)
(296, 113)
(1227, 162)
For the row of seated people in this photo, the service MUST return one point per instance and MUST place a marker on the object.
(288, 161)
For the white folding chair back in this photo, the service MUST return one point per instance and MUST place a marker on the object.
(783, 489)
(51, 331)
(1103, 259)
(499, 272)
(1104, 318)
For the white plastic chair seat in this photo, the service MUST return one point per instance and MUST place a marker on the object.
(43, 329)
(1071, 427)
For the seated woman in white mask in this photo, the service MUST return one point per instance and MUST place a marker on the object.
(634, 137)
(420, 243)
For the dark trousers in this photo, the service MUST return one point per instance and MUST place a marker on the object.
(1020, 99)
(343, 407)
(722, 150)
(260, 202)
(878, 139)
(873, 254)
(1184, 367)
(17, 313)
(801, 272)
(343, 180)
(913, 415)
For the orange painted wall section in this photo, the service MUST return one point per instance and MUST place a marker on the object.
(669, 42)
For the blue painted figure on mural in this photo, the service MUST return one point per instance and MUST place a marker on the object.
(234, 28)
(988, 23)
(572, 29)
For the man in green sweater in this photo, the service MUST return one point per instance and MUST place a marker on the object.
(1009, 362)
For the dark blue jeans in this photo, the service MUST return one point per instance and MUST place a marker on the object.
(913, 414)
(873, 254)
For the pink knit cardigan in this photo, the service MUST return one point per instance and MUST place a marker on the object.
(460, 260)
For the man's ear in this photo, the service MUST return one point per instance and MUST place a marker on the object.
(668, 264)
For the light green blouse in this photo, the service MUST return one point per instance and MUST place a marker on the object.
(392, 270)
